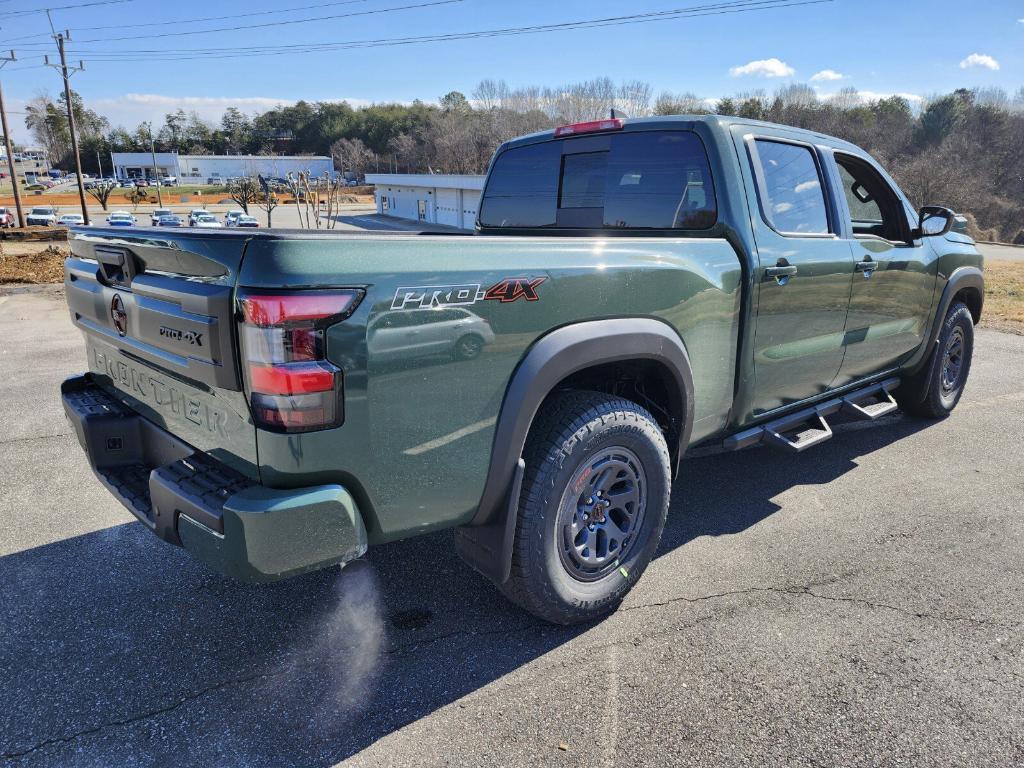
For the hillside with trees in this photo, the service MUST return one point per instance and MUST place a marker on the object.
(961, 149)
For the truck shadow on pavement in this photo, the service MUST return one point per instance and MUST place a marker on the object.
(117, 648)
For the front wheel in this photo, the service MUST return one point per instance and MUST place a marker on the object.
(593, 506)
(935, 391)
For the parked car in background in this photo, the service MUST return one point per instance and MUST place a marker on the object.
(71, 220)
(6, 218)
(170, 220)
(154, 217)
(208, 221)
(454, 331)
(231, 217)
(142, 182)
(194, 214)
(247, 221)
(169, 181)
(121, 219)
(42, 216)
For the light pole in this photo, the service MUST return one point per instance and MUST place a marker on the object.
(10, 150)
(156, 173)
(66, 73)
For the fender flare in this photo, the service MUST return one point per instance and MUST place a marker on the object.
(485, 542)
(961, 277)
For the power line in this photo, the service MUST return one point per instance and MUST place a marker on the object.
(247, 14)
(713, 9)
(280, 23)
(29, 11)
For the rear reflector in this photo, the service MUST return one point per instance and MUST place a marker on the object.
(593, 126)
(295, 413)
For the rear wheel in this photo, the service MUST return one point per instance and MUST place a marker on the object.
(935, 391)
(468, 347)
(592, 509)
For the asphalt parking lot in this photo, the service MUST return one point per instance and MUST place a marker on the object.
(860, 604)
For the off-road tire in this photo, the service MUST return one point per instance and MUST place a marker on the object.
(929, 392)
(572, 429)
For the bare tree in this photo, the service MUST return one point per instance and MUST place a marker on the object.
(491, 94)
(268, 202)
(634, 98)
(244, 190)
(101, 192)
(353, 156)
(406, 151)
(687, 103)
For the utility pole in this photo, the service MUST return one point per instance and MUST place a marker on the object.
(10, 149)
(99, 163)
(156, 173)
(66, 73)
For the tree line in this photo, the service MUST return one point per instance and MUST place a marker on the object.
(960, 149)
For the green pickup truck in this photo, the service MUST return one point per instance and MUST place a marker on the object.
(277, 401)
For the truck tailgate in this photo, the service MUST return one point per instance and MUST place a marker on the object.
(157, 311)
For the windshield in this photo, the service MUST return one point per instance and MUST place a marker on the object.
(41, 211)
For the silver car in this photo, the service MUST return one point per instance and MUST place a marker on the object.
(443, 331)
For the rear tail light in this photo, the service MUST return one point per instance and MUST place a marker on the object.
(293, 387)
(592, 126)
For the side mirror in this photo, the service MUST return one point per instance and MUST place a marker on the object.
(935, 221)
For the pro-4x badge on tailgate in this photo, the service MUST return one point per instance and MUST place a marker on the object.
(428, 296)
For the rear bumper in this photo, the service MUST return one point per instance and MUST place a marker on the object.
(188, 498)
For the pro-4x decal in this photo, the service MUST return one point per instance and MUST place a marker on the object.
(506, 290)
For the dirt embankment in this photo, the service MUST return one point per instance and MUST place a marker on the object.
(32, 262)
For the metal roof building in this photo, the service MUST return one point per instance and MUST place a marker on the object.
(447, 199)
(202, 168)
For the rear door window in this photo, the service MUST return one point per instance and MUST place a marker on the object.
(641, 180)
(790, 187)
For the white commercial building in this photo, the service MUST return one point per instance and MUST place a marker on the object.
(432, 198)
(201, 169)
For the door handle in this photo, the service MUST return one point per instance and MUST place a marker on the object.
(868, 267)
(781, 273)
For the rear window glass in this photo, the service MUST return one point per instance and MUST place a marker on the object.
(523, 187)
(643, 180)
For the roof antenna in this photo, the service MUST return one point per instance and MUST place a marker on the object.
(618, 113)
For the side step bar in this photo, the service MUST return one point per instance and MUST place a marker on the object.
(803, 429)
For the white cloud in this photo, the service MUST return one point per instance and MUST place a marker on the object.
(763, 68)
(826, 74)
(979, 60)
(806, 186)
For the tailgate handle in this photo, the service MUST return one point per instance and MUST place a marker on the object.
(110, 258)
(116, 266)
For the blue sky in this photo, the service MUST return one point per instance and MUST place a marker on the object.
(877, 46)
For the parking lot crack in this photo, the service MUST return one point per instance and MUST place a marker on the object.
(34, 437)
(808, 591)
(142, 716)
